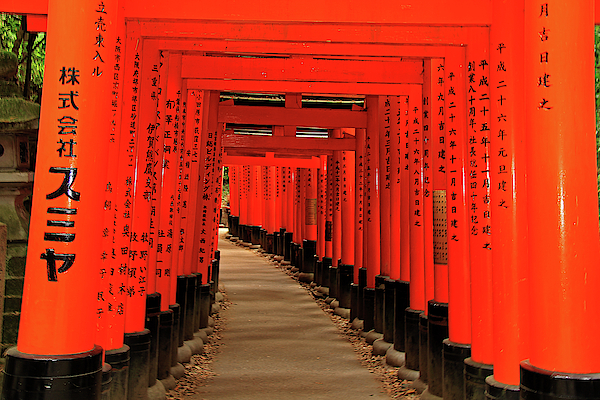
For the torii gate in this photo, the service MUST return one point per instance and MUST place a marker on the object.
(498, 87)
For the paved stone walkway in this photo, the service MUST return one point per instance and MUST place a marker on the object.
(277, 342)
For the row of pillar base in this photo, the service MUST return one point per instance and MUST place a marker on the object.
(143, 369)
(410, 339)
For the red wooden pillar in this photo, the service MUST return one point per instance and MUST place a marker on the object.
(337, 203)
(396, 156)
(438, 300)
(348, 199)
(110, 324)
(195, 104)
(427, 186)
(439, 170)
(244, 196)
(478, 192)
(359, 169)
(299, 223)
(322, 203)
(311, 204)
(179, 148)
(204, 223)
(415, 168)
(217, 195)
(372, 176)
(457, 348)
(508, 205)
(291, 192)
(329, 213)
(404, 193)
(385, 184)
(160, 213)
(562, 201)
(61, 277)
(372, 208)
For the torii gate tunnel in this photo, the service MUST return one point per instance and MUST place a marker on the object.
(429, 163)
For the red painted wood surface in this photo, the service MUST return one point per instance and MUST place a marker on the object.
(563, 222)
(372, 176)
(509, 204)
(416, 206)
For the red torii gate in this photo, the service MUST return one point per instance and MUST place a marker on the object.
(447, 31)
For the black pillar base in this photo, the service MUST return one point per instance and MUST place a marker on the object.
(139, 358)
(345, 280)
(389, 305)
(235, 224)
(402, 299)
(243, 232)
(368, 309)
(411, 338)
(362, 284)
(255, 235)
(327, 261)
(198, 301)
(188, 321)
(153, 325)
(475, 374)
(354, 298)
(165, 341)
(318, 271)
(437, 332)
(541, 384)
(379, 301)
(454, 356)
(119, 362)
(205, 305)
(270, 243)
(495, 390)
(423, 348)
(181, 299)
(106, 382)
(287, 246)
(334, 285)
(276, 240)
(176, 308)
(308, 256)
(64, 377)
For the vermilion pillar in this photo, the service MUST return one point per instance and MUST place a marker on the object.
(508, 203)
(415, 169)
(404, 192)
(359, 155)
(457, 348)
(396, 156)
(348, 206)
(427, 185)
(385, 183)
(62, 268)
(479, 365)
(329, 212)
(160, 213)
(437, 126)
(311, 204)
(337, 204)
(195, 104)
(322, 204)
(562, 200)
(372, 187)
(438, 305)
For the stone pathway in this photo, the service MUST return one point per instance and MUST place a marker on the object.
(278, 343)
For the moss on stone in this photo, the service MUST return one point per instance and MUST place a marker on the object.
(14, 287)
(15, 110)
(8, 64)
(16, 267)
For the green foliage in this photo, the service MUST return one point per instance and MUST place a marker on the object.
(14, 38)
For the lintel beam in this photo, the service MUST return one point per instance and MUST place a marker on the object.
(269, 160)
(302, 70)
(278, 143)
(317, 117)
